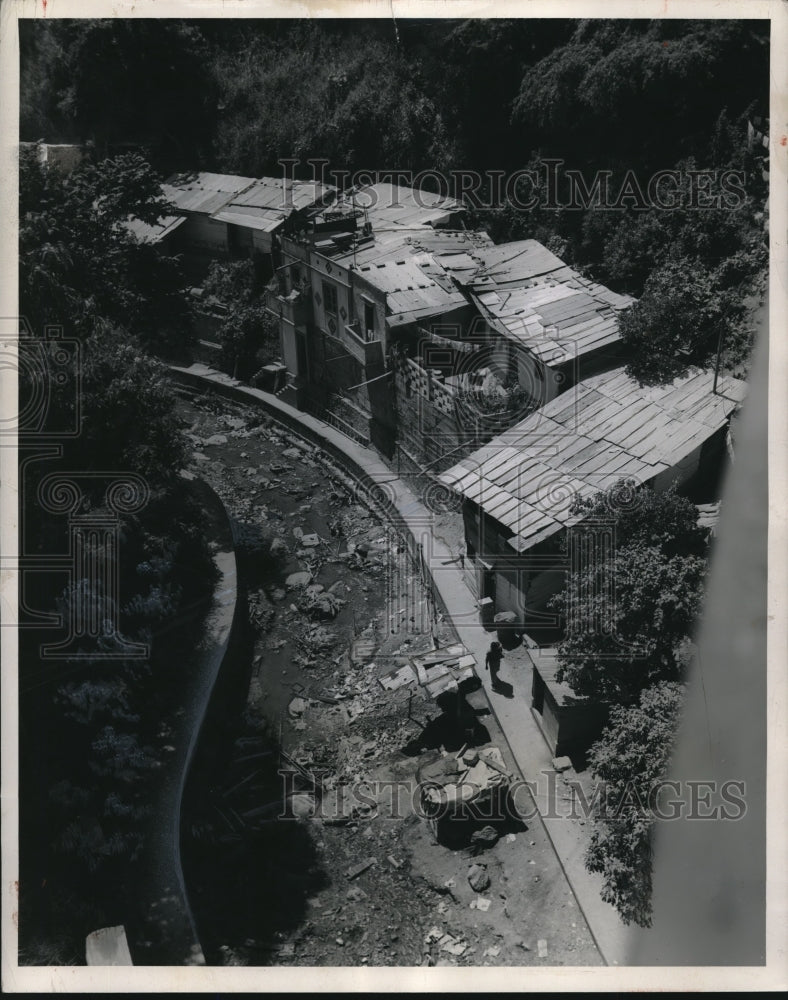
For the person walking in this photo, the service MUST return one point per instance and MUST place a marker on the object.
(493, 662)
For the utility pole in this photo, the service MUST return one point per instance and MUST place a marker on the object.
(717, 362)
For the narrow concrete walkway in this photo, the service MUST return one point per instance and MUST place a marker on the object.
(525, 739)
(168, 923)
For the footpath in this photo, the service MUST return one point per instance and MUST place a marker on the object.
(513, 712)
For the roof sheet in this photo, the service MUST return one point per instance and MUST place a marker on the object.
(204, 192)
(584, 441)
(512, 263)
(558, 316)
(146, 233)
(410, 290)
(269, 201)
(386, 205)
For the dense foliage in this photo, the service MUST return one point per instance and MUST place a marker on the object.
(93, 721)
(248, 334)
(82, 269)
(630, 760)
(630, 610)
(630, 97)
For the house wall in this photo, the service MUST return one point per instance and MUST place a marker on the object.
(568, 729)
(204, 233)
(324, 270)
(426, 419)
(525, 588)
(363, 292)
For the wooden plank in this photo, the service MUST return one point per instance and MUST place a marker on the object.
(454, 475)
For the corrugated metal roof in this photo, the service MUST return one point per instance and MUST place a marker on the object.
(410, 290)
(257, 200)
(387, 205)
(509, 264)
(558, 316)
(204, 192)
(146, 233)
(584, 441)
(269, 201)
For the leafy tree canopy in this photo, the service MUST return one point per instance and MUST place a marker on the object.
(629, 612)
(80, 266)
(630, 760)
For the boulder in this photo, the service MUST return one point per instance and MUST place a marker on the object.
(485, 837)
(300, 579)
(478, 878)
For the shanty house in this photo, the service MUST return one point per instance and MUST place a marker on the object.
(349, 274)
(556, 327)
(518, 489)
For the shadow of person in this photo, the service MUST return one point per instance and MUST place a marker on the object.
(502, 688)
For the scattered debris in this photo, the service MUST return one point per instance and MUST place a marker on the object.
(492, 952)
(356, 870)
(562, 763)
(480, 903)
(451, 945)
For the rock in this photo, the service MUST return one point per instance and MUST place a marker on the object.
(310, 541)
(291, 453)
(297, 707)
(299, 533)
(322, 605)
(302, 804)
(215, 439)
(480, 903)
(492, 952)
(541, 944)
(279, 547)
(562, 763)
(478, 878)
(301, 579)
(356, 894)
(485, 837)
(198, 456)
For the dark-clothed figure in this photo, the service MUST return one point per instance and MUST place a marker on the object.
(493, 662)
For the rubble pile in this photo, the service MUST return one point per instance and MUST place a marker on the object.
(340, 613)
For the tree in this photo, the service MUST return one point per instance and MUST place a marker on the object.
(248, 333)
(629, 760)
(644, 518)
(80, 266)
(678, 321)
(77, 75)
(628, 612)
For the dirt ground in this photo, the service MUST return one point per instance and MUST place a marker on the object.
(380, 889)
